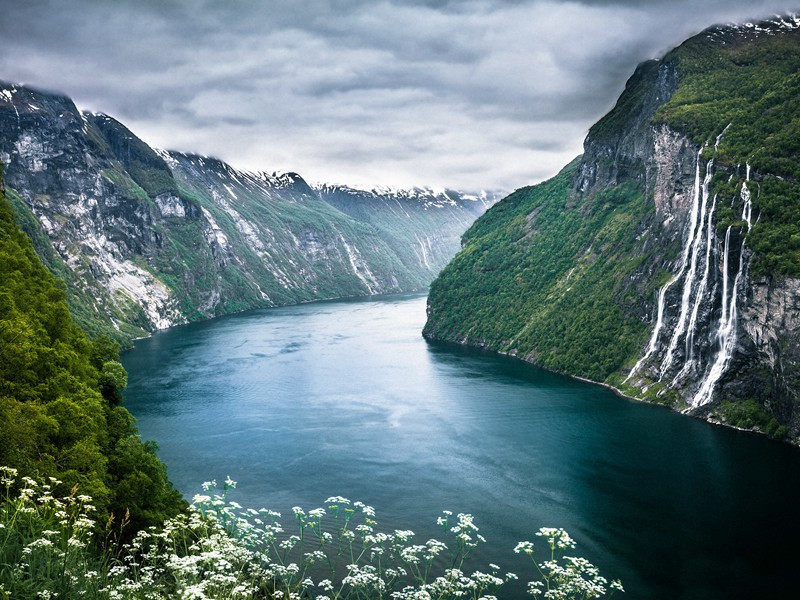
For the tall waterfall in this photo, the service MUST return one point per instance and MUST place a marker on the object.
(710, 238)
(689, 281)
(747, 211)
(653, 344)
(726, 331)
(695, 268)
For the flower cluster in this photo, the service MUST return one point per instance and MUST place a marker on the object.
(217, 549)
(45, 541)
(565, 577)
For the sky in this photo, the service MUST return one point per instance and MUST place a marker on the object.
(465, 94)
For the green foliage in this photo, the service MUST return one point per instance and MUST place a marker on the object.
(749, 414)
(46, 542)
(776, 237)
(54, 419)
(113, 379)
(125, 185)
(540, 275)
(104, 349)
(153, 181)
(139, 480)
(751, 85)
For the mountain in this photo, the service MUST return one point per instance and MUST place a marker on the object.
(664, 261)
(420, 221)
(60, 413)
(145, 238)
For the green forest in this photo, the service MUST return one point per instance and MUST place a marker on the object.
(60, 395)
(543, 273)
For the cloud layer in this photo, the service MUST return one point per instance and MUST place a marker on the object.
(462, 93)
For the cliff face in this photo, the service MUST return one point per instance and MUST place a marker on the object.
(668, 274)
(61, 167)
(146, 239)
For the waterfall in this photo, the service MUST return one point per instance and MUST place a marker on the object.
(727, 329)
(726, 332)
(689, 282)
(725, 276)
(653, 344)
(747, 211)
(703, 283)
(424, 252)
(696, 290)
(719, 137)
(699, 297)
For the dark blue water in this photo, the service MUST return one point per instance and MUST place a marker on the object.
(346, 398)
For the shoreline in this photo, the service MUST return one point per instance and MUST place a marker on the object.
(616, 391)
(150, 334)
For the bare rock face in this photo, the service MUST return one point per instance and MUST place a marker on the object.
(769, 348)
(95, 216)
(620, 147)
(673, 165)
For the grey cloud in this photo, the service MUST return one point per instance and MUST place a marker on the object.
(468, 93)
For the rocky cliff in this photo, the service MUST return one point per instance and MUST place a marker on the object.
(665, 260)
(146, 239)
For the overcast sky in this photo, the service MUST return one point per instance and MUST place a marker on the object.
(462, 93)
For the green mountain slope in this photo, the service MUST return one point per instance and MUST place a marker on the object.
(59, 395)
(664, 260)
(543, 272)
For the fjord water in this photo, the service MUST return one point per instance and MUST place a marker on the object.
(346, 398)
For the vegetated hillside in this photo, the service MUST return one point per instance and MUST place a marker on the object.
(542, 270)
(146, 239)
(664, 260)
(60, 413)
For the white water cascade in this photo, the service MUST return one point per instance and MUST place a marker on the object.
(710, 237)
(695, 267)
(747, 212)
(700, 296)
(689, 281)
(653, 344)
(726, 331)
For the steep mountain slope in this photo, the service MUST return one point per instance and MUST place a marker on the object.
(420, 222)
(59, 396)
(664, 261)
(146, 239)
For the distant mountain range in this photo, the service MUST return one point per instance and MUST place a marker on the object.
(145, 238)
